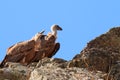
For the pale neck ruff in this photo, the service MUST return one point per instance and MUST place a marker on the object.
(54, 32)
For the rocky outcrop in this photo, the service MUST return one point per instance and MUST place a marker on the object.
(99, 60)
(48, 69)
(101, 54)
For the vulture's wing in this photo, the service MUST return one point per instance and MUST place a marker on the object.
(56, 48)
(20, 47)
(48, 48)
(18, 51)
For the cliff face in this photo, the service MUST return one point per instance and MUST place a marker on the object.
(99, 60)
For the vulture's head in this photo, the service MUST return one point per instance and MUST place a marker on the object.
(54, 29)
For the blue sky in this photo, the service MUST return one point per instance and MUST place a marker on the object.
(81, 20)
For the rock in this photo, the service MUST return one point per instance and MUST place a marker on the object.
(115, 71)
(53, 73)
(56, 62)
(93, 59)
(48, 69)
(100, 54)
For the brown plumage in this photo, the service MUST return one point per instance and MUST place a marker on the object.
(35, 49)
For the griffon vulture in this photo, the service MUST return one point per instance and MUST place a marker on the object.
(35, 49)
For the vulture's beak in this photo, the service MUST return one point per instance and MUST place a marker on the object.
(59, 28)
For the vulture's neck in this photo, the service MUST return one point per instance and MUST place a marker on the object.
(54, 32)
